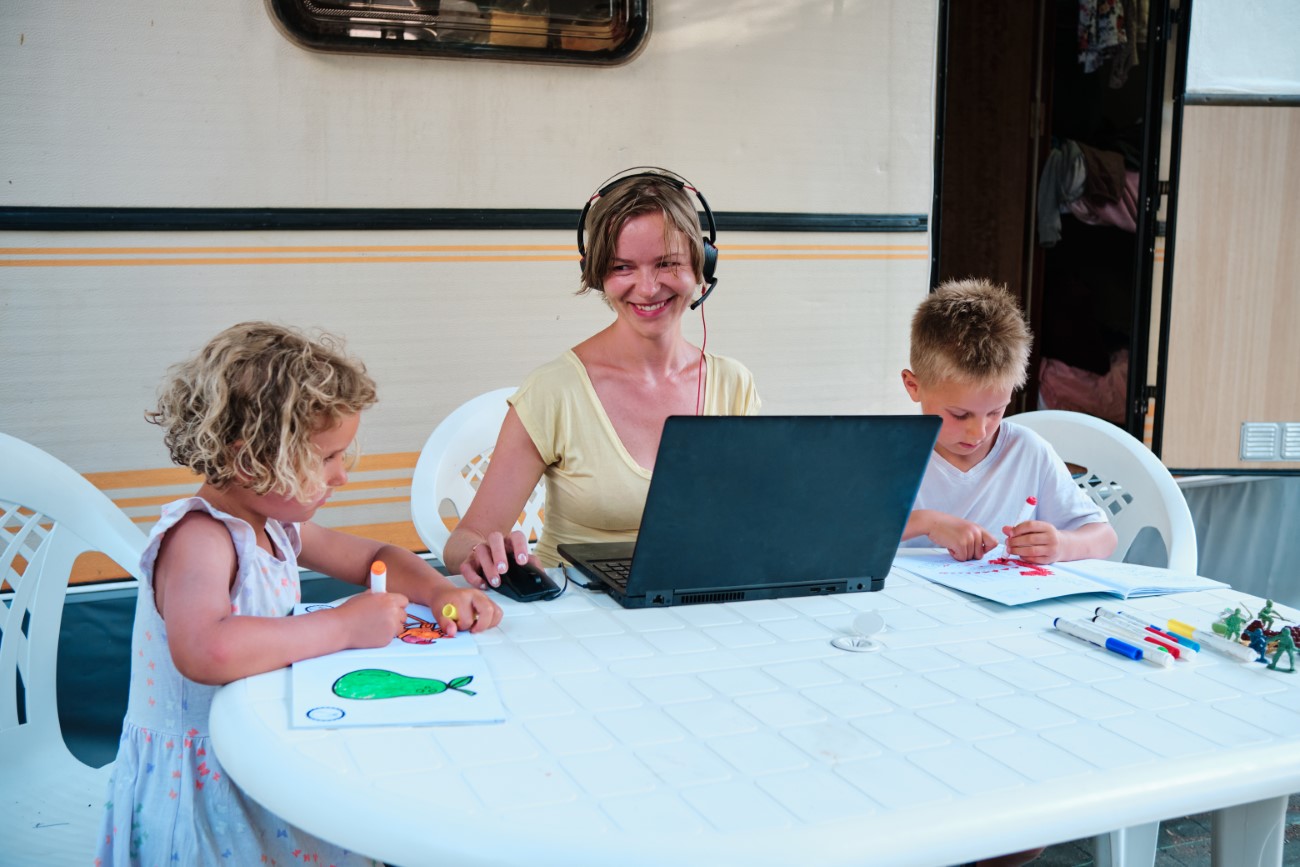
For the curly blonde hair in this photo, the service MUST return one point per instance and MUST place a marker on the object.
(245, 408)
(970, 331)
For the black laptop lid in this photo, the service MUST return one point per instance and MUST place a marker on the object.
(764, 501)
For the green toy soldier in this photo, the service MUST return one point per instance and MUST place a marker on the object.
(1285, 644)
(1233, 623)
(1268, 616)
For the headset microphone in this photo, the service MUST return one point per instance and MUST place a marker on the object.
(705, 294)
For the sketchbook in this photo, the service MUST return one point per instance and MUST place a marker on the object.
(422, 677)
(1015, 582)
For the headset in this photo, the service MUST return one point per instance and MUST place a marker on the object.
(710, 263)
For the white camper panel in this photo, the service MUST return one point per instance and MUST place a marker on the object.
(804, 108)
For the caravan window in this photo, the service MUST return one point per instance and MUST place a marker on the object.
(603, 32)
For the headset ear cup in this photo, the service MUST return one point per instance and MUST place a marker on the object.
(710, 261)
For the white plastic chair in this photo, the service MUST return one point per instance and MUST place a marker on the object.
(1124, 478)
(452, 464)
(50, 803)
(1136, 491)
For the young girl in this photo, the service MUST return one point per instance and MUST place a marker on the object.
(266, 416)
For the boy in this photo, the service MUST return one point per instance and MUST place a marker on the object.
(970, 350)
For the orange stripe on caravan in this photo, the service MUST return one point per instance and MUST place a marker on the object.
(271, 260)
(825, 256)
(109, 481)
(73, 257)
(158, 478)
(388, 248)
(858, 247)
(398, 248)
(369, 484)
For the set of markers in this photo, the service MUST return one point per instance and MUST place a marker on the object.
(1132, 637)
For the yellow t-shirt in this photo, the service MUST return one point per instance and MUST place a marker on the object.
(595, 491)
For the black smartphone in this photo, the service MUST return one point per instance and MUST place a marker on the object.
(526, 583)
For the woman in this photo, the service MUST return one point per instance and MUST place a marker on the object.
(590, 420)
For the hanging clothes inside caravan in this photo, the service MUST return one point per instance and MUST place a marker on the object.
(1092, 184)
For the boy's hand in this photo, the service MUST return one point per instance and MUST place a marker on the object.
(964, 539)
(1034, 542)
(372, 619)
(474, 610)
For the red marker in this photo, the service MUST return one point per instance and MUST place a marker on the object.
(1026, 512)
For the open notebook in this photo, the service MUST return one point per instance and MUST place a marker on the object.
(1014, 582)
(421, 677)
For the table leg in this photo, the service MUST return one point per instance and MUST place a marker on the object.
(1249, 834)
(1127, 847)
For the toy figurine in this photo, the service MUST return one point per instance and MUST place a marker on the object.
(1285, 644)
(1258, 643)
(1232, 624)
(1268, 616)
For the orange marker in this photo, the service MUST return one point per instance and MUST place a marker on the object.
(378, 577)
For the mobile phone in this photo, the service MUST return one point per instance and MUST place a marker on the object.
(526, 583)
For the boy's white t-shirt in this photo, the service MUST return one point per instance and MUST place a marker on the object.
(1021, 464)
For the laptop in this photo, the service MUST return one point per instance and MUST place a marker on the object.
(766, 507)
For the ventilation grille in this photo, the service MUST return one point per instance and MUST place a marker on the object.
(703, 598)
(1270, 441)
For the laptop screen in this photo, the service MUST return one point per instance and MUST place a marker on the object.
(758, 501)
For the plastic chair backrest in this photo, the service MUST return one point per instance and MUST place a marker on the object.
(1124, 478)
(452, 464)
(49, 516)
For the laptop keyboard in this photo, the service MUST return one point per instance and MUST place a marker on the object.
(613, 571)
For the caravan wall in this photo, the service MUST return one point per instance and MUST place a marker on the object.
(807, 124)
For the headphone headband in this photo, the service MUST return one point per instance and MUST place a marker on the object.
(709, 265)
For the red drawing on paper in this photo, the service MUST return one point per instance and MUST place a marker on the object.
(420, 631)
(1031, 569)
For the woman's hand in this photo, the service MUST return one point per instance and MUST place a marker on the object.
(488, 560)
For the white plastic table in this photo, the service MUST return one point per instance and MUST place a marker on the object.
(737, 734)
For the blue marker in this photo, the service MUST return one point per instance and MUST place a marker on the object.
(1087, 633)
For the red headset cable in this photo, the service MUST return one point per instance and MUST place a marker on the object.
(699, 379)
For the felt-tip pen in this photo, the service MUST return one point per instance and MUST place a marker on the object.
(1182, 640)
(1026, 512)
(1108, 621)
(1153, 653)
(1092, 635)
(378, 577)
(1210, 641)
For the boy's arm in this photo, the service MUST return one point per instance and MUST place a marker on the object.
(964, 539)
(348, 558)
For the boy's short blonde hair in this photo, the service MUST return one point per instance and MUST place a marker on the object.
(630, 198)
(245, 408)
(970, 331)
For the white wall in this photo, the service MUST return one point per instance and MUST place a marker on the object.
(1244, 47)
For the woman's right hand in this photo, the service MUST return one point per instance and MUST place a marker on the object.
(487, 560)
(373, 619)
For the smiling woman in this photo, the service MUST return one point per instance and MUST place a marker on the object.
(590, 421)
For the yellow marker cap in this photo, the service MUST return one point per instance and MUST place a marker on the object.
(449, 611)
(1183, 629)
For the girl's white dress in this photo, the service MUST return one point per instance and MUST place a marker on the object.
(169, 801)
